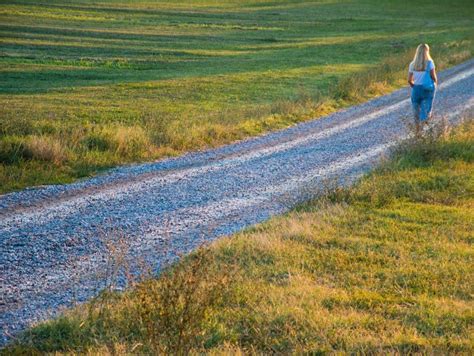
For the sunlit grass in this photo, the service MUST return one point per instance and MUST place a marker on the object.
(201, 73)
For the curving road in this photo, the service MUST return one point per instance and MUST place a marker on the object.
(54, 240)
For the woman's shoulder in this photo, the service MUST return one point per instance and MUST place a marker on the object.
(431, 64)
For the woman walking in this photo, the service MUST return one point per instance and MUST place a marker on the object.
(423, 81)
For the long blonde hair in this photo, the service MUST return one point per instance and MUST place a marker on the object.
(422, 56)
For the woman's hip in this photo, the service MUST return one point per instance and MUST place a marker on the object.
(418, 93)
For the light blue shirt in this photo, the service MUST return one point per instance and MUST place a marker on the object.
(418, 76)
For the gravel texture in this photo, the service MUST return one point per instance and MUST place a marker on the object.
(55, 240)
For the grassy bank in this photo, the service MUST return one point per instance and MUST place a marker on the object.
(86, 85)
(385, 266)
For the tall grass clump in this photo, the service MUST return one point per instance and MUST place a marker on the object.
(45, 148)
(176, 309)
(12, 150)
(126, 142)
(16, 149)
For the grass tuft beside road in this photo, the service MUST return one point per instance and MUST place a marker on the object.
(384, 266)
(85, 86)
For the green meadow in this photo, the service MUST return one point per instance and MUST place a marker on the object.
(86, 85)
(384, 267)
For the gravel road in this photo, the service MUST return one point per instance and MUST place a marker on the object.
(55, 240)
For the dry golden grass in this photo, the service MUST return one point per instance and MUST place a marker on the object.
(129, 141)
(45, 148)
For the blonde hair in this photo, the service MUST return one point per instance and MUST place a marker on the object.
(422, 56)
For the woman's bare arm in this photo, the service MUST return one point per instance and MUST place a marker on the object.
(434, 76)
(411, 82)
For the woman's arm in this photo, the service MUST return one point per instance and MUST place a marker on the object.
(434, 76)
(411, 82)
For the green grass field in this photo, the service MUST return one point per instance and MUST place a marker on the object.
(87, 85)
(383, 267)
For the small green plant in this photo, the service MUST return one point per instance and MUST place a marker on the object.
(12, 150)
(174, 309)
(96, 141)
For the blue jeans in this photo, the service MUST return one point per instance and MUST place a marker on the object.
(422, 102)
